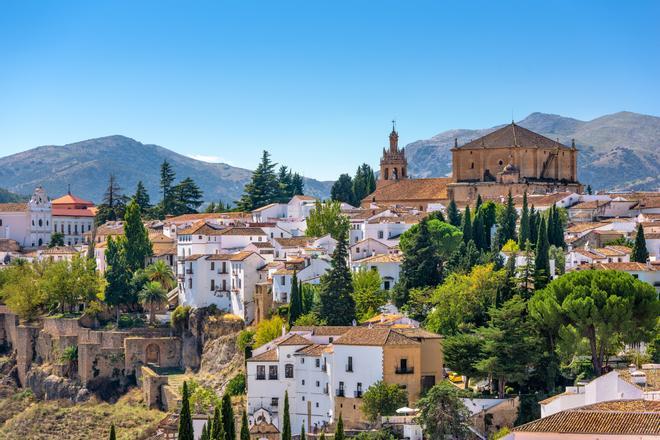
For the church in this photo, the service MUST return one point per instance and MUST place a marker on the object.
(511, 158)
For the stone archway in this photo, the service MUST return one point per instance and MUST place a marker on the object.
(153, 354)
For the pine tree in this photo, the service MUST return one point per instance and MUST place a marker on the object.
(167, 176)
(187, 197)
(298, 184)
(542, 260)
(284, 184)
(217, 427)
(339, 430)
(137, 245)
(263, 187)
(453, 214)
(337, 306)
(245, 427)
(113, 204)
(589, 190)
(210, 208)
(141, 197)
(523, 231)
(302, 432)
(286, 423)
(185, 418)
(295, 303)
(228, 418)
(467, 225)
(113, 435)
(639, 252)
(342, 190)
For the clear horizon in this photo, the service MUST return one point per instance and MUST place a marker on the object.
(221, 81)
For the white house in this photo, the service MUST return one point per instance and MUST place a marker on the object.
(388, 267)
(72, 217)
(29, 224)
(309, 271)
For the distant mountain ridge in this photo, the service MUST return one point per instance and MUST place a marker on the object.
(86, 166)
(620, 151)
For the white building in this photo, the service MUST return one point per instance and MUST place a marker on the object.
(227, 280)
(388, 267)
(308, 271)
(29, 224)
(607, 254)
(72, 217)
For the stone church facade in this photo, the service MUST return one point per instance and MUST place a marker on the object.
(511, 158)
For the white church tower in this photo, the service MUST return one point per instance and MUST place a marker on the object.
(40, 219)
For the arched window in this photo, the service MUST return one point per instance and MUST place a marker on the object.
(288, 371)
(41, 223)
(41, 242)
(501, 162)
(386, 172)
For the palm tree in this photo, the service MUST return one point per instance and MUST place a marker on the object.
(153, 294)
(159, 271)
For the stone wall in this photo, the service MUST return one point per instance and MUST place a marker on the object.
(139, 351)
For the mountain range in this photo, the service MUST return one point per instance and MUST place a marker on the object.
(620, 151)
(87, 165)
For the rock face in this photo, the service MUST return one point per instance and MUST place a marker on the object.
(47, 386)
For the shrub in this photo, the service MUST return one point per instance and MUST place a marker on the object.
(236, 385)
(245, 339)
(179, 318)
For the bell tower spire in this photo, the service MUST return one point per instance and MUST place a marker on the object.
(394, 138)
(393, 164)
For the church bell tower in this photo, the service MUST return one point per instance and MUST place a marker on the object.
(393, 164)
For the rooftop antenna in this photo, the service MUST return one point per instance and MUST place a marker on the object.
(68, 188)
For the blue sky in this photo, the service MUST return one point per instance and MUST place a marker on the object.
(314, 82)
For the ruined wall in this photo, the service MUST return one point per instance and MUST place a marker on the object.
(164, 352)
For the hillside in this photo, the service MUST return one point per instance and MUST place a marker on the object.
(618, 151)
(9, 197)
(86, 166)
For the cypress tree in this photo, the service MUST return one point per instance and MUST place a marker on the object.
(218, 430)
(205, 432)
(113, 435)
(453, 214)
(542, 260)
(559, 229)
(286, 421)
(467, 225)
(209, 428)
(478, 231)
(228, 418)
(295, 303)
(322, 437)
(185, 418)
(589, 190)
(337, 306)
(639, 252)
(117, 274)
(508, 222)
(302, 432)
(478, 204)
(245, 427)
(339, 430)
(137, 245)
(533, 225)
(141, 197)
(523, 231)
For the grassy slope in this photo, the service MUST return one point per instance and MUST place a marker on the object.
(63, 420)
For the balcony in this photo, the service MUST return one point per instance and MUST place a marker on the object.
(340, 392)
(189, 271)
(261, 377)
(401, 369)
(357, 394)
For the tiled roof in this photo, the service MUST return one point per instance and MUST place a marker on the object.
(381, 258)
(9, 245)
(13, 207)
(238, 256)
(622, 417)
(418, 333)
(264, 428)
(304, 197)
(582, 227)
(266, 356)
(312, 350)
(66, 212)
(593, 204)
(555, 397)
(374, 336)
(325, 330)
(624, 249)
(512, 135)
(60, 250)
(235, 230)
(294, 241)
(262, 244)
(270, 205)
(650, 202)
(294, 339)
(68, 199)
(410, 190)
(630, 267)
(610, 252)
(200, 228)
(408, 219)
(207, 215)
(589, 254)
(194, 257)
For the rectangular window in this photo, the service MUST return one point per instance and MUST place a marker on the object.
(274, 401)
(212, 284)
(212, 265)
(317, 362)
(190, 283)
(272, 372)
(283, 281)
(349, 364)
(261, 372)
(288, 372)
(303, 381)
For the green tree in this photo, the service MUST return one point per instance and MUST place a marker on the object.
(342, 190)
(464, 258)
(295, 303)
(453, 214)
(286, 420)
(302, 432)
(368, 295)
(542, 259)
(462, 353)
(327, 218)
(639, 252)
(112, 206)
(534, 220)
(284, 184)
(113, 435)
(205, 432)
(337, 306)
(605, 307)
(442, 413)
(228, 418)
(509, 344)
(137, 246)
(479, 231)
(467, 225)
(245, 427)
(420, 267)
(268, 330)
(187, 197)
(185, 418)
(218, 429)
(117, 274)
(339, 429)
(383, 399)
(56, 239)
(489, 213)
(446, 238)
(523, 230)
(153, 295)
(364, 183)
(263, 187)
(507, 222)
(161, 272)
(141, 197)
(297, 184)
(167, 176)
(589, 190)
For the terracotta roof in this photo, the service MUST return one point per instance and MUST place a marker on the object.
(68, 199)
(60, 250)
(13, 207)
(374, 336)
(593, 204)
(363, 214)
(270, 205)
(312, 350)
(194, 257)
(610, 252)
(238, 256)
(589, 254)
(625, 249)
(587, 226)
(235, 230)
(621, 417)
(294, 241)
(381, 258)
(418, 333)
(207, 215)
(325, 330)
(555, 397)
(652, 236)
(651, 202)
(512, 135)
(262, 244)
(9, 245)
(409, 190)
(201, 228)
(304, 197)
(66, 212)
(629, 267)
(266, 356)
(162, 244)
(294, 339)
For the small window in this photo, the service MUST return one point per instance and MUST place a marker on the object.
(283, 281)
(318, 384)
(303, 382)
(317, 404)
(317, 362)
(272, 372)
(261, 372)
(303, 398)
(274, 401)
(501, 162)
(472, 165)
(212, 265)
